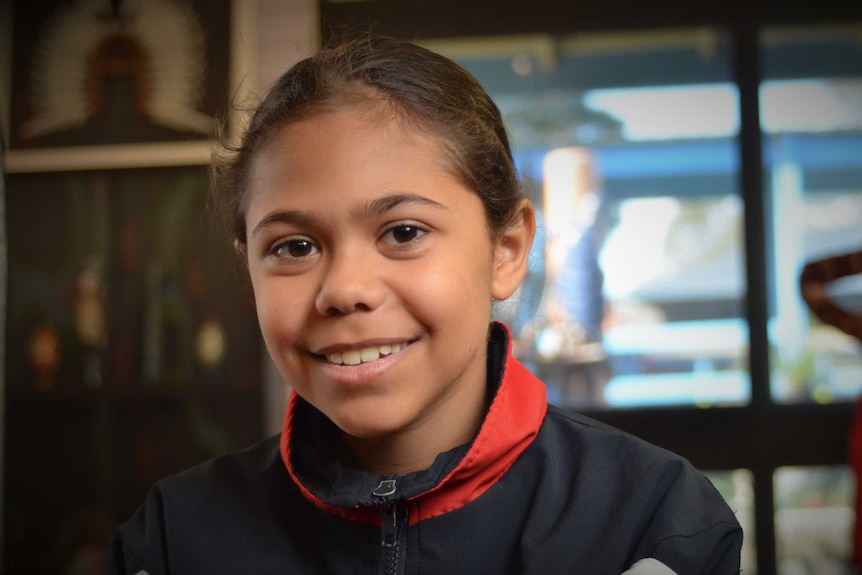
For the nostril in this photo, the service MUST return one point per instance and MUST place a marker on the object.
(336, 310)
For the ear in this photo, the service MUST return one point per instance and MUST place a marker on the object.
(241, 250)
(512, 251)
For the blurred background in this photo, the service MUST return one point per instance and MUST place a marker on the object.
(688, 160)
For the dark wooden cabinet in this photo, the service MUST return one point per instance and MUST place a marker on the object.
(133, 352)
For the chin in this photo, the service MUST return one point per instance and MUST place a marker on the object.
(370, 431)
(371, 427)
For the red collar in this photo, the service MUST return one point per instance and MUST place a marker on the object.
(512, 422)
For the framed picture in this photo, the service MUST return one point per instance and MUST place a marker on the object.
(117, 83)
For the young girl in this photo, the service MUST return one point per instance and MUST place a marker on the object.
(375, 201)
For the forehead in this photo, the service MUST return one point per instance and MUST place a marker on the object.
(359, 135)
(352, 153)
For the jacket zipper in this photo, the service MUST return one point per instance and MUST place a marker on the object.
(392, 531)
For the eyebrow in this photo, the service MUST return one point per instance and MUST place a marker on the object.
(378, 207)
(382, 205)
(291, 217)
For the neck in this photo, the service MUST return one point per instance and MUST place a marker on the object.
(416, 447)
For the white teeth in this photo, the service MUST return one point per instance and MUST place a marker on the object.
(369, 354)
(366, 354)
(351, 358)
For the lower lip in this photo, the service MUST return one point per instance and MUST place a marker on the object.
(353, 375)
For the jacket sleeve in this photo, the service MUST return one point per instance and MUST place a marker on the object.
(118, 562)
(715, 550)
(139, 545)
(692, 529)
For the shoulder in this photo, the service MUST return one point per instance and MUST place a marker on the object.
(232, 492)
(238, 483)
(669, 507)
(251, 466)
(620, 462)
(581, 436)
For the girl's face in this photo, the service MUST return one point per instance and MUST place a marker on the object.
(373, 274)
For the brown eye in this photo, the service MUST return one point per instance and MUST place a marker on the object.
(298, 248)
(405, 233)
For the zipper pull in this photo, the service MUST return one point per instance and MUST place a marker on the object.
(389, 513)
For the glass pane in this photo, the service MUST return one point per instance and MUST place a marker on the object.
(814, 519)
(811, 116)
(737, 488)
(627, 145)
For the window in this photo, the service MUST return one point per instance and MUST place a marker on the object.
(627, 145)
(811, 116)
(814, 517)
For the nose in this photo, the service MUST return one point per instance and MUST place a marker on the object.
(350, 284)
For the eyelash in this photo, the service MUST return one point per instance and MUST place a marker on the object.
(281, 249)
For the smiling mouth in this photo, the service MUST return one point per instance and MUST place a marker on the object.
(364, 355)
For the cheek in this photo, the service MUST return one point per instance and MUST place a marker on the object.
(449, 286)
(276, 313)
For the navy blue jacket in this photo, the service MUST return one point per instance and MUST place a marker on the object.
(538, 491)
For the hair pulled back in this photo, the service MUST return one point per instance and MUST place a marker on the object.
(423, 89)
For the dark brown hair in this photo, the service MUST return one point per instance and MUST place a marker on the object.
(424, 89)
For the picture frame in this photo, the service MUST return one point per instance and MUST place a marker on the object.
(91, 88)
